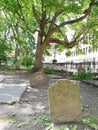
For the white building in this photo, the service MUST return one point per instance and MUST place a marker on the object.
(88, 58)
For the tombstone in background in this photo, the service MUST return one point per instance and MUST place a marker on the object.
(65, 104)
(81, 69)
(39, 79)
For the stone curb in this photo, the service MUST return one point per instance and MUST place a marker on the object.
(91, 82)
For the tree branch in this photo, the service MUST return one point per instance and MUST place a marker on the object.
(86, 13)
(35, 14)
(21, 16)
(54, 18)
(67, 44)
(56, 40)
(50, 31)
(78, 38)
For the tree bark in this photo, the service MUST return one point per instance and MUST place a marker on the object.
(38, 59)
(39, 54)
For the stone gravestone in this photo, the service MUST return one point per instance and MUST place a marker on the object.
(65, 104)
(39, 79)
(81, 69)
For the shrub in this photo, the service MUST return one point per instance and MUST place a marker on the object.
(48, 69)
(26, 61)
(3, 58)
(84, 76)
(54, 61)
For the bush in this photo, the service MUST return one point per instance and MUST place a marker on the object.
(84, 76)
(3, 58)
(54, 61)
(48, 69)
(26, 61)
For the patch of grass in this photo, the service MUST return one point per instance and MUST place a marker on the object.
(42, 119)
(46, 123)
(11, 67)
(25, 68)
(62, 127)
(7, 67)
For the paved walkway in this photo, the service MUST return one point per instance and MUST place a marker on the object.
(11, 88)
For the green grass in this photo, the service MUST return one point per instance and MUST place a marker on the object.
(11, 68)
(46, 123)
(49, 69)
(25, 68)
(7, 67)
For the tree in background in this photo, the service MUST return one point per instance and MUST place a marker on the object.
(14, 39)
(3, 55)
(4, 43)
(52, 19)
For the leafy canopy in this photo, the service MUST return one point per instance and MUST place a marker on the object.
(53, 18)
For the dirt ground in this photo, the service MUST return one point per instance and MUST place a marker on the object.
(32, 111)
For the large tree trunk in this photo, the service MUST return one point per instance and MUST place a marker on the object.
(38, 59)
(39, 54)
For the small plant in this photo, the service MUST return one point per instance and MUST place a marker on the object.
(74, 127)
(11, 117)
(63, 127)
(91, 122)
(42, 119)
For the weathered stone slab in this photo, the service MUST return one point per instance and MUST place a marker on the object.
(10, 93)
(65, 104)
(39, 79)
